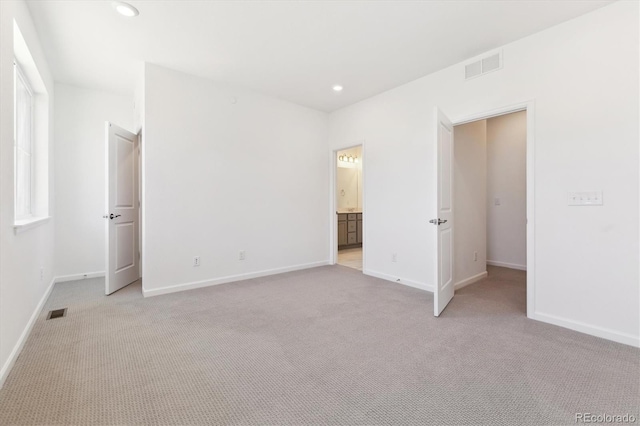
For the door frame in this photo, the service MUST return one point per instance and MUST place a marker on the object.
(142, 194)
(333, 222)
(529, 107)
(140, 205)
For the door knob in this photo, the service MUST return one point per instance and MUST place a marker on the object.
(438, 221)
(111, 216)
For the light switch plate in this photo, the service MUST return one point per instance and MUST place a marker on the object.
(589, 198)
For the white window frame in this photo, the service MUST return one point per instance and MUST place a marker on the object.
(19, 75)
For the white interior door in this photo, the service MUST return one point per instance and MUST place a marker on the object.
(444, 222)
(123, 205)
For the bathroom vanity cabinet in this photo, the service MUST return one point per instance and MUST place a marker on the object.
(349, 230)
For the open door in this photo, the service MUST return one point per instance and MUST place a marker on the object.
(122, 236)
(444, 222)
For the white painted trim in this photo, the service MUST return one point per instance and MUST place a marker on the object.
(107, 264)
(229, 279)
(403, 281)
(529, 107)
(592, 330)
(143, 192)
(333, 226)
(509, 109)
(75, 277)
(363, 165)
(507, 265)
(139, 134)
(24, 224)
(531, 222)
(6, 368)
(470, 280)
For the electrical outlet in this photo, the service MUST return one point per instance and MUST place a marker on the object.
(593, 198)
(196, 261)
(475, 256)
(242, 255)
(394, 257)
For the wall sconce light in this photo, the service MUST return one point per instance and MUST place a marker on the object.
(348, 158)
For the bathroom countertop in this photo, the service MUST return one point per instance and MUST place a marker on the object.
(347, 212)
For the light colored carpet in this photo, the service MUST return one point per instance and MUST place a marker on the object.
(325, 346)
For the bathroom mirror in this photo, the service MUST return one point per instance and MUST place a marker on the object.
(349, 181)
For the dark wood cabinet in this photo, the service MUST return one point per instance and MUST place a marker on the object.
(349, 230)
(342, 230)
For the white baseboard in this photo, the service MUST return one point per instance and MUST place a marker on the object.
(6, 368)
(75, 277)
(228, 279)
(403, 281)
(604, 333)
(470, 280)
(507, 265)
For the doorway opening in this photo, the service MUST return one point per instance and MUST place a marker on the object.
(349, 211)
(490, 195)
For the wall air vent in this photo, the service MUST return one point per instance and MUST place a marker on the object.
(482, 66)
(473, 69)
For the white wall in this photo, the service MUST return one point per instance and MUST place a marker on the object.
(506, 159)
(80, 174)
(220, 177)
(469, 201)
(586, 271)
(23, 255)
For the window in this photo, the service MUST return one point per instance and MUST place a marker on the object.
(23, 145)
(31, 139)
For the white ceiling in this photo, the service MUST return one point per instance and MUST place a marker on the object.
(293, 50)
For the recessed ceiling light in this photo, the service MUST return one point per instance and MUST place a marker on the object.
(337, 88)
(125, 9)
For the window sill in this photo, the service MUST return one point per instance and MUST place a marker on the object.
(24, 224)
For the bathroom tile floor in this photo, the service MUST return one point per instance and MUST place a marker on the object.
(351, 258)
